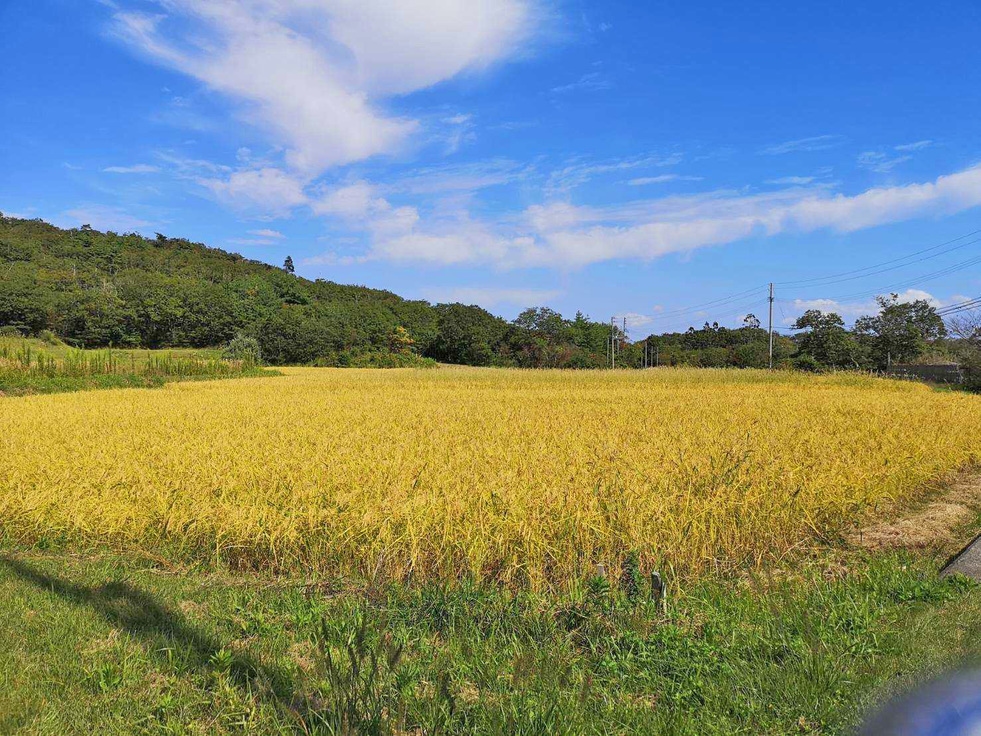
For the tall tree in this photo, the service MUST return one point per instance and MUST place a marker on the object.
(288, 265)
(825, 340)
(901, 331)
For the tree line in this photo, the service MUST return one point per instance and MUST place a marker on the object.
(96, 289)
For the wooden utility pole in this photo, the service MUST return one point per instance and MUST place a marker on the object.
(771, 326)
(624, 335)
(613, 341)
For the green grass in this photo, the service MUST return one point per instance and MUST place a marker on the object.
(61, 350)
(34, 366)
(110, 645)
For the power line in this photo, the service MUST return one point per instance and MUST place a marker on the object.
(913, 282)
(961, 307)
(839, 277)
(935, 251)
(740, 310)
(715, 302)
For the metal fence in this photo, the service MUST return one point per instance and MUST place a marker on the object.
(934, 373)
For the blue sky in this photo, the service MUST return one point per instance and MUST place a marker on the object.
(623, 158)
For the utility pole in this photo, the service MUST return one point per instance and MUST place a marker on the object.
(613, 342)
(624, 336)
(771, 325)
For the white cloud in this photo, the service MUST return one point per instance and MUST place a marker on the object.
(489, 297)
(314, 72)
(918, 145)
(853, 310)
(592, 82)
(635, 320)
(251, 241)
(461, 131)
(266, 233)
(814, 143)
(578, 172)
(137, 169)
(468, 177)
(880, 162)
(269, 191)
(352, 201)
(562, 235)
(644, 180)
(792, 180)
(103, 217)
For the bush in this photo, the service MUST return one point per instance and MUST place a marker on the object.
(373, 359)
(48, 337)
(971, 368)
(808, 363)
(10, 331)
(243, 348)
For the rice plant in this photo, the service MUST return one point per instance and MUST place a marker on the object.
(523, 478)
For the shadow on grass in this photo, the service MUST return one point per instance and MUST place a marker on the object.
(135, 611)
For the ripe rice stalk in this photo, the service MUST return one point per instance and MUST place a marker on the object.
(527, 478)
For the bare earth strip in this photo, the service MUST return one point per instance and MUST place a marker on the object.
(938, 524)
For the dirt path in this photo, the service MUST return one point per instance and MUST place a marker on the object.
(937, 524)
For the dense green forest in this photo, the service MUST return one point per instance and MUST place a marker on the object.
(94, 289)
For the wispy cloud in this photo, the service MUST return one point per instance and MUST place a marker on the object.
(917, 146)
(663, 178)
(465, 177)
(313, 74)
(514, 125)
(562, 235)
(103, 217)
(635, 320)
(591, 82)
(264, 192)
(266, 233)
(461, 131)
(880, 162)
(814, 143)
(577, 172)
(492, 296)
(136, 169)
(251, 241)
(792, 180)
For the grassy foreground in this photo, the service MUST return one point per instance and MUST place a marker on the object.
(106, 645)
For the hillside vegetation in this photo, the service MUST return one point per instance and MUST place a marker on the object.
(97, 289)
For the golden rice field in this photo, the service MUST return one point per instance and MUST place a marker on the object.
(530, 478)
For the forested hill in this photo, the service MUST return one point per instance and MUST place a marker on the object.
(96, 289)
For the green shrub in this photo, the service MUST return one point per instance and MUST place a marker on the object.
(243, 348)
(373, 359)
(807, 363)
(48, 337)
(971, 368)
(10, 331)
